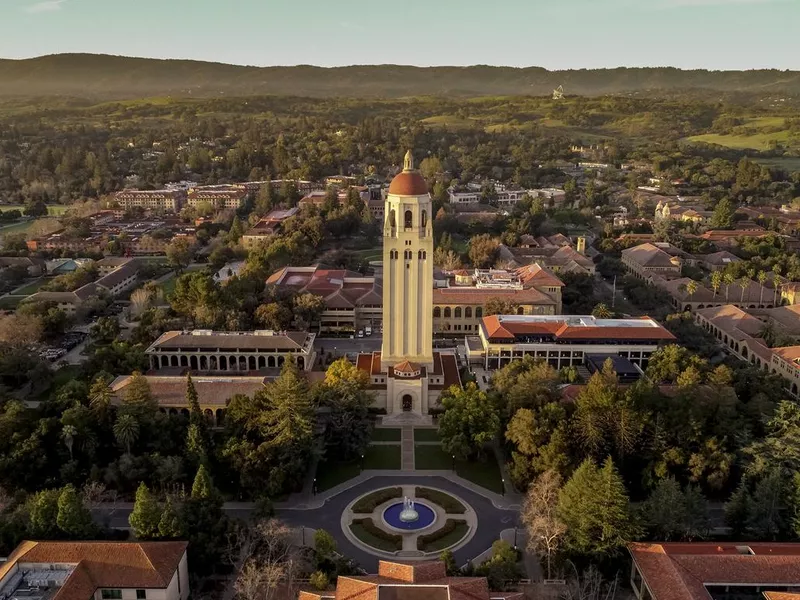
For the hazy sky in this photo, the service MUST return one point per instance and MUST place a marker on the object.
(557, 34)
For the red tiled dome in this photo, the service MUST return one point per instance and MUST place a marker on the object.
(408, 183)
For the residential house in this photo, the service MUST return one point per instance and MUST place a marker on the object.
(651, 258)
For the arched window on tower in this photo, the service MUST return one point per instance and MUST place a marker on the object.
(392, 219)
(408, 218)
(419, 255)
(424, 221)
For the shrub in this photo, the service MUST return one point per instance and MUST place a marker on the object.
(375, 531)
(372, 501)
(449, 527)
(446, 501)
(318, 580)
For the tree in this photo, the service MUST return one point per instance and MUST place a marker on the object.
(74, 519)
(196, 445)
(469, 422)
(105, 331)
(744, 283)
(100, 397)
(68, 433)
(450, 565)
(265, 200)
(20, 329)
(501, 570)
(43, 512)
(765, 521)
(737, 510)
(540, 438)
(540, 516)
(308, 308)
(169, 524)
(146, 515)
(723, 214)
(780, 448)
(483, 251)
(126, 431)
(498, 306)
(192, 399)
(346, 392)
(274, 316)
(716, 281)
(235, 233)
(762, 279)
(137, 399)
(324, 544)
(180, 253)
(594, 507)
(729, 280)
(672, 514)
(601, 311)
(202, 486)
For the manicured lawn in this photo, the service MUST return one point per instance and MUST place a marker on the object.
(169, 286)
(371, 501)
(10, 302)
(382, 457)
(446, 501)
(52, 209)
(486, 474)
(331, 473)
(448, 539)
(31, 288)
(385, 435)
(426, 435)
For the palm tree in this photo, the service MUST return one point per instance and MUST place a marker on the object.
(601, 311)
(716, 281)
(744, 283)
(126, 431)
(691, 288)
(729, 279)
(776, 282)
(68, 434)
(762, 279)
(100, 398)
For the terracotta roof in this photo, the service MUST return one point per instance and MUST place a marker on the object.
(243, 341)
(406, 367)
(509, 327)
(649, 255)
(478, 296)
(103, 564)
(408, 183)
(732, 320)
(790, 354)
(170, 390)
(681, 571)
(535, 276)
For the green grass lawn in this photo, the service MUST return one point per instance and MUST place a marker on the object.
(169, 286)
(385, 435)
(369, 254)
(426, 435)
(370, 540)
(757, 141)
(52, 209)
(448, 539)
(331, 473)
(31, 288)
(20, 227)
(485, 474)
(10, 302)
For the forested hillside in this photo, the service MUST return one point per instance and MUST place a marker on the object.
(122, 77)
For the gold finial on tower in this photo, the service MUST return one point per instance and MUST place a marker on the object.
(408, 162)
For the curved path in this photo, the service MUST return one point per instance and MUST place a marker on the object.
(491, 520)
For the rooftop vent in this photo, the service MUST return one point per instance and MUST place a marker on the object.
(745, 550)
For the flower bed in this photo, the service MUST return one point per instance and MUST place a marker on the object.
(451, 533)
(372, 535)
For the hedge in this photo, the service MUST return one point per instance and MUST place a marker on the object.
(372, 501)
(446, 501)
(379, 533)
(448, 528)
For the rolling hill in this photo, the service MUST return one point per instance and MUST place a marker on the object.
(117, 77)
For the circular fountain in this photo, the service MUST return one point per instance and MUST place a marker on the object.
(409, 515)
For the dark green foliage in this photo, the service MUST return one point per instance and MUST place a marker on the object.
(371, 501)
(392, 538)
(446, 501)
(425, 540)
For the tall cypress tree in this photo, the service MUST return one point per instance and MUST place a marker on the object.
(146, 514)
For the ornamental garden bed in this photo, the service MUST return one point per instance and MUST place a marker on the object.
(373, 500)
(451, 533)
(446, 501)
(366, 531)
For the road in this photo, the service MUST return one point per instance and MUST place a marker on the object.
(491, 520)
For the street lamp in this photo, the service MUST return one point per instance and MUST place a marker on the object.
(362, 463)
(503, 485)
(314, 489)
(454, 463)
(515, 536)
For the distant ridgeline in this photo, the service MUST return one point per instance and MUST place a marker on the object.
(120, 77)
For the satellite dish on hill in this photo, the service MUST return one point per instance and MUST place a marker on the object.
(558, 93)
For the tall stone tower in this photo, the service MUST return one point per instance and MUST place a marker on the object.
(408, 270)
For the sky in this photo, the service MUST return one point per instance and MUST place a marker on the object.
(555, 34)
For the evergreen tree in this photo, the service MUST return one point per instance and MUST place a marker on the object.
(737, 510)
(195, 414)
(138, 400)
(146, 514)
(723, 214)
(765, 520)
(100, 398)
(594, 506)
(195, 445)
(74, 519)
(235, 233)
(169, 524)
(265, 200)
(291, 416)
(202, 486)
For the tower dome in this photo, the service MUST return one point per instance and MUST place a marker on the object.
(409, 182)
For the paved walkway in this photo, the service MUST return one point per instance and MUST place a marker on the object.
(407, 448)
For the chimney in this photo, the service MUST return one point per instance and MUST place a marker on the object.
(581, 247)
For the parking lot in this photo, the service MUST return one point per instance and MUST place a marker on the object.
(68, 342)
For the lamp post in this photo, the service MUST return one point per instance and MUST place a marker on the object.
(454, 463)
(362, 463)
(314, 489)
(503, 485)
(515, 536)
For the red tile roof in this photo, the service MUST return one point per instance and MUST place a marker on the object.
(508, 327)
(103, 564)
(535, 275)
(677, 571)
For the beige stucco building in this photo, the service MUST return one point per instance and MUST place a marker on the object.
(407, 375)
